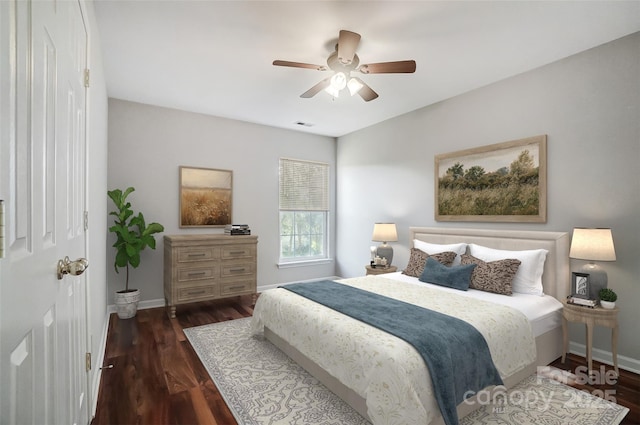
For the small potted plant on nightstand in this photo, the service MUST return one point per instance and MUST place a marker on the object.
(607, 298)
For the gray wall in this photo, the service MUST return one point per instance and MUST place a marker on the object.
(588, 105)
(147, 145)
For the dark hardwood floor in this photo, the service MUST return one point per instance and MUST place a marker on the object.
(157, 378)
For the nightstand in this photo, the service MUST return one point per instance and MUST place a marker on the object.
(591, 317)
(380, 270)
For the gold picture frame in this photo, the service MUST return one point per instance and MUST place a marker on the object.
(206, 197)
(503, 182)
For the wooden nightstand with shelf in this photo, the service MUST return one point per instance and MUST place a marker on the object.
(380, 270)
(591, 317)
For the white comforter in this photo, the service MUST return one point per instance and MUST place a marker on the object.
(383, 369)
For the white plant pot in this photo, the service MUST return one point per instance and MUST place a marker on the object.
(127, 303)
(609, 305)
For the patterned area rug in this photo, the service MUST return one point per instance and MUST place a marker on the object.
(261, 385)
(542, 400)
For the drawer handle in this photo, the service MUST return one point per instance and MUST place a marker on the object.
(195, 273)
(236, 252)
(237, 270)
(233, 288)
(200, 254)
(202, 291)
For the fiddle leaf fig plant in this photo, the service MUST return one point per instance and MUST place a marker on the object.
(132, 233)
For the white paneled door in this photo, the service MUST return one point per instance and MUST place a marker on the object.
(43, 319)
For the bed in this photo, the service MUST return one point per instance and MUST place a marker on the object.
(383, 377)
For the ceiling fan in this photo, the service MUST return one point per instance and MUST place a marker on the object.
(345, 61)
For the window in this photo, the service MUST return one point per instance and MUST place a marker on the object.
(304, 210)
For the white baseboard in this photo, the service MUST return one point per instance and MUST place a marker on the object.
(603, 356)
(98, 361)
(624, 362)
(111, 308)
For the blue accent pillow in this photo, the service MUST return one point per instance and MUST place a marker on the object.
(456, 277)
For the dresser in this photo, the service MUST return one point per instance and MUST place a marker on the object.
(206, 267)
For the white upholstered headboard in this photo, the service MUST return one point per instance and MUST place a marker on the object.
(555, 279)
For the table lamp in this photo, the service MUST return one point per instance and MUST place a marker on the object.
(593, 245)
(385, 232)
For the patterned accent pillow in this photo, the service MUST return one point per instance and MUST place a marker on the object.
(418, 259)
(528, 280)
(492, 276)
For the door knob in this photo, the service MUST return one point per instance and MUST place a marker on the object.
(74, 268)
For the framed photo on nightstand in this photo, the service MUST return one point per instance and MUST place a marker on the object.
(580, 285)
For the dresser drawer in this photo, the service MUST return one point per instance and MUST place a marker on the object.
(191, 254)
(237, 269)
(230, 252)
(198, 273)
(194, 293)
(234, 288)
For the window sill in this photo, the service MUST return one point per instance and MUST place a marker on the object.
(304, 263)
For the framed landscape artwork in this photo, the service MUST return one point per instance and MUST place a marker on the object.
(503, 182)
(205, 197)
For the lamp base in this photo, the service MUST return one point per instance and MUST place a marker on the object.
(385, 251)
(597, 279)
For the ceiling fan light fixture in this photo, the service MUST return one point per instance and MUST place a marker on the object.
(354, 86)
(337, 83)
(343, 62)
(333, 91)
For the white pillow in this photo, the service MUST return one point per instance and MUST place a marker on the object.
(528, 279)
(434, 248)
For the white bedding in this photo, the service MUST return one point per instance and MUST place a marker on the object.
(544, 312)
(386, 371)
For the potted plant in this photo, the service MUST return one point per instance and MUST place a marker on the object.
(132, 236)
(607, 298)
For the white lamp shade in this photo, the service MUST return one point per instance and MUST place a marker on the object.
(384, 232)
(354, 86)
(339, 80)
(592, 245)
(332, 91)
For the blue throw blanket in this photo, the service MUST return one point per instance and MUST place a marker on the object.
(455, 352)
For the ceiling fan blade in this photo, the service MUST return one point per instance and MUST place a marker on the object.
(347, 44)
(389, 67)
(366, 92)
(300, 65)
(317, 88)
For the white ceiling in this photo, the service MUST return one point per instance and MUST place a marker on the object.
(215, 57)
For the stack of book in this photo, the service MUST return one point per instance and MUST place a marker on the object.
(582, 301)
(237, 229)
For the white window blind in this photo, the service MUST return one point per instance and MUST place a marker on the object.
(304, 185)
(304, 211)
